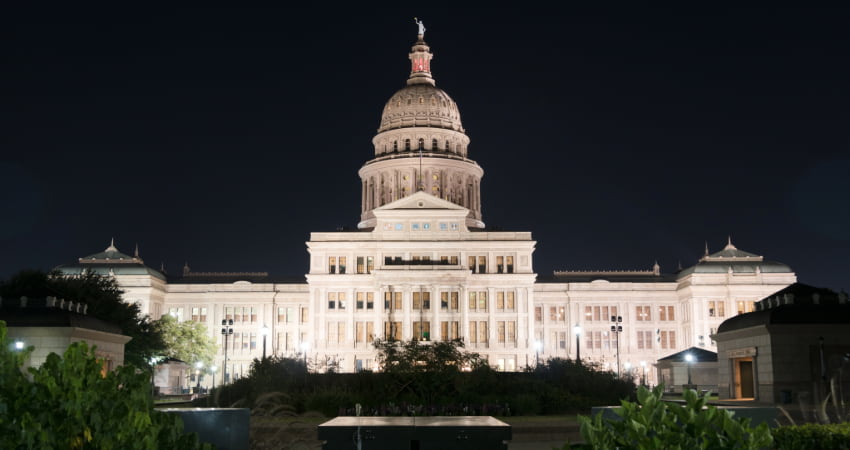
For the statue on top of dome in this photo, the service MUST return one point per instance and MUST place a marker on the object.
(421, 26)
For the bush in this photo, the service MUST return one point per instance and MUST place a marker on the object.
(652, 423)
(812, 436)
(69, 403)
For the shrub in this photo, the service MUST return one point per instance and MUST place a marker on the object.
(69, 403)
(652, 423)
(812, 436)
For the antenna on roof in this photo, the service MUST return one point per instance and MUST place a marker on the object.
(706, 248)
(136, 253)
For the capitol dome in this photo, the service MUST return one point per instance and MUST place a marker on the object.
(420, 105)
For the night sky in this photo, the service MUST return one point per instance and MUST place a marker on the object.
(618, 137)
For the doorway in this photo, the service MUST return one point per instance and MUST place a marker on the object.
(744, 378)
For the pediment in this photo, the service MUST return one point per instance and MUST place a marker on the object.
(420, 200)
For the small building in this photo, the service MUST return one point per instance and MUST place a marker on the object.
(676, 371)
(788, 349)
(50, 325)
(173, 377)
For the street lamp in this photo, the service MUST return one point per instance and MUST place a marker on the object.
(213, 369)
(226, 330)
(577, 331)
(264, 332)
(689, 358)
(198, 366)
(537, 347)
(616, 328)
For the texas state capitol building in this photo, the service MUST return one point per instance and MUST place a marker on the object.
(422, 265)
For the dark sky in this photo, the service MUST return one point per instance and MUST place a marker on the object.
(618, 136)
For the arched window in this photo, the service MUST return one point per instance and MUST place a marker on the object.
(395, 146)
(448, 146)
(407, 144)
(434, 145)
(421, 144)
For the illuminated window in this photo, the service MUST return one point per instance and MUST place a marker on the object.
(422, 330)
(392, 330)
(454, 227)
(557, 314)
(500, 264)
(332, 264)
(449, 330)
(667, 313)
(305, 316)
(716, 308)
(509, 261)
(538, 314)
(643, 313)
(392, 301)
(364, 332)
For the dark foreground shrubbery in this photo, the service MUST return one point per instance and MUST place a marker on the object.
(557, 386)
(68, 402)
(812, 436)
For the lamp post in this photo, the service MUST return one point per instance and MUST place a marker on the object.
(537, 347)
(264, 332)
(643, 372)
(226, 330)
(577, 331)
(616, 328)
(198, 366)
(689, 358)
(213, 369)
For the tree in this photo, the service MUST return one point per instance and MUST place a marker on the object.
(187, 341)
(425, 371)
(103, 297)
(68, 403)
(414, 356)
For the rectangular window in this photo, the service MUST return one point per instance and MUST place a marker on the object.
(500, 300)
(644, 340)
(370, 264)
(482, 264)
(453, 302)
(472, 264)
(643, 313)
(511, 331)
(370, 300)
(510, 305)
(360, 300)
(473, 300)
(473, 332)
(422, 330)
(253, 341)
(361, 267)
(281, 314)
(482, 301)
(444, 300)
(332, 264)
(253, 314)
(421, 300)
(500, 332)
(392, 330)
(745, 306)
(331, 300)
(482, 332)
(509, 264)
(500, 264)
(717, 308)
(341, 296)
(666, 313)
(538, 314)
(342, 264)
(305, 316)
(449, 330)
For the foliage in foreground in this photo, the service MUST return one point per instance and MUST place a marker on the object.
(69, 403)
(812, 437)
(652, 423)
